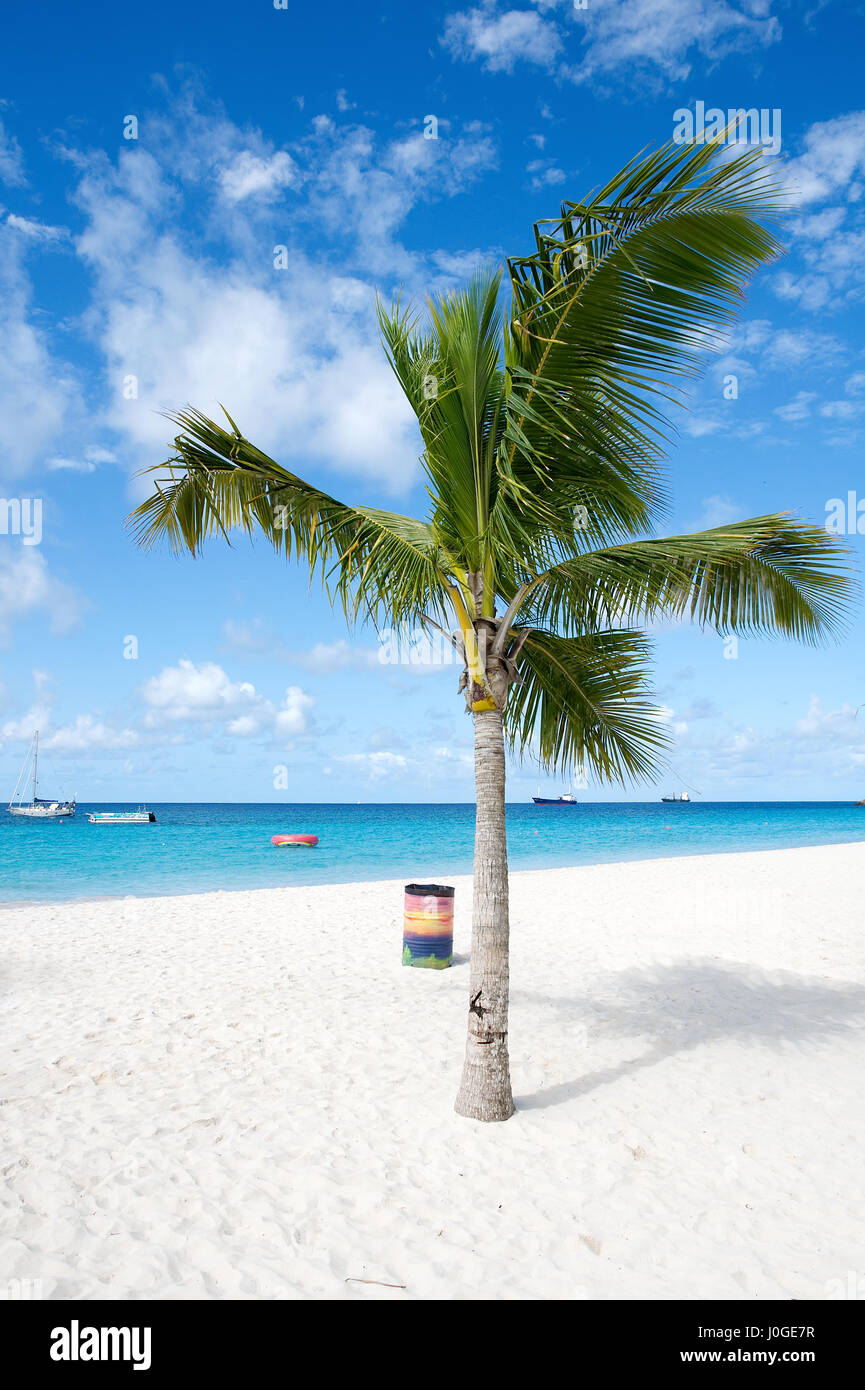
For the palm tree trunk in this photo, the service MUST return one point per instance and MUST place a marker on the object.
(485, 1092)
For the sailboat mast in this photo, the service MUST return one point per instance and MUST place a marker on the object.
(35, 761)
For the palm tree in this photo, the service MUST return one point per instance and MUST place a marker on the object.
(544, 424)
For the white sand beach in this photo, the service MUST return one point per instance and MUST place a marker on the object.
(247, 1095)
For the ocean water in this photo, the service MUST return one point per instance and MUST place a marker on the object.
(200, 847)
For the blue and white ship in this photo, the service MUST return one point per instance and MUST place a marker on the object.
(566, 799)
(140, 817)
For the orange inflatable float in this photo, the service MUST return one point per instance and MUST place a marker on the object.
(308, 841)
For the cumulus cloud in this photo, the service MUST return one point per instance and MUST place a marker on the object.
(292, 717)
(544, 173)
(85, 734)
(187, 693)
(829, 241)
(249, 175)
(501, 39)
(199, 291)
(186, 325)
(831, 162)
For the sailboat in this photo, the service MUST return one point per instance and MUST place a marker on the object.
(37, 806)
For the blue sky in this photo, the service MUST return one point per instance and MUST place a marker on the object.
(153, 258)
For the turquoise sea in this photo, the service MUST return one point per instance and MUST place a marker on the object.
(200, 847)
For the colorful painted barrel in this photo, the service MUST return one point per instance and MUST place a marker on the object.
(428, 926)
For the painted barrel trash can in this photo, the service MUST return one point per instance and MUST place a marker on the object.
(428, 926)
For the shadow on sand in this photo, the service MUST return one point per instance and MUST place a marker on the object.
(682, 1006)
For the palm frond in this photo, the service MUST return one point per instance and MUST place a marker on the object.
(766, 574)
(584, 703)
(377, 564)
(623, 294)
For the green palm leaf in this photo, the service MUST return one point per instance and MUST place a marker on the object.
(377, 564)
(767, 574)
(584, 703)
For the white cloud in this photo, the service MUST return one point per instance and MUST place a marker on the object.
(92, 457)
(544, 173)
(187, 691)
(326, 657)
(39, 392)
(190, 329)
(251, 176)
(836, 272)
(27, 587)
(201, 312)
(499, 40)
(832, 724)
(657, 37)
(830, 240)
(377, 767)
(699, 425)
(791, 348)
(660, 36)
(812, 292)
(381, 184)
(717, 511)
(833, 157)
(205, 693)
(37, 231)
(86, 734)
(58, 464)
(842, 410)
(822, 743)
(797, 409)
(292, 716)
(459, 266)
(819, 225)
(11, 159)
(323, 658)
(37, 716)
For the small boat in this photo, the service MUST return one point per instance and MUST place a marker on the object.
(566, 799)
(140, 817)
(38, 807)
(294, 841)
(677, 796)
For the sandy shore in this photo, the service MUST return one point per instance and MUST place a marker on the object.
(246, 1094)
